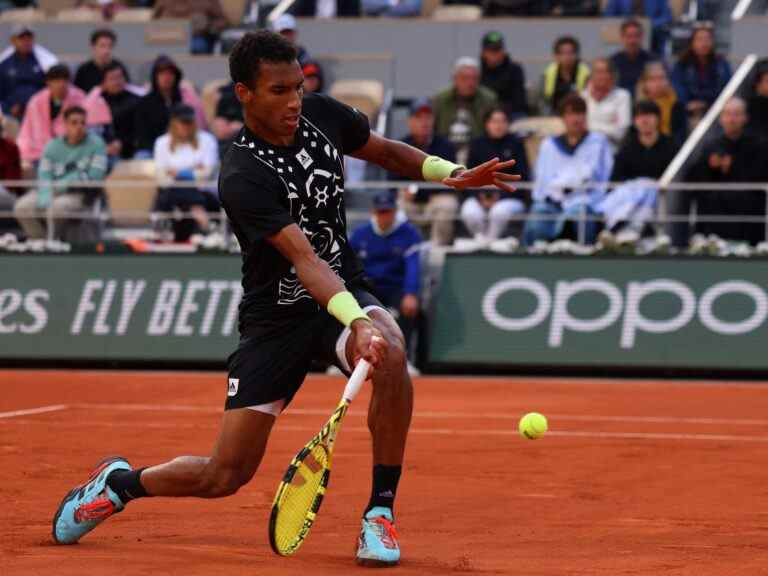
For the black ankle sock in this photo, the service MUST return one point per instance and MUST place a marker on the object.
(127, 484)
(385, 479)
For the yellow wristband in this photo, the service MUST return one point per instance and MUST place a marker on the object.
(345, 308)
(435, 169)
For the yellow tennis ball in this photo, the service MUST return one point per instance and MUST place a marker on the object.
(532, 426)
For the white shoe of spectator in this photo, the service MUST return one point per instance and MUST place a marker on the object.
(413, 371)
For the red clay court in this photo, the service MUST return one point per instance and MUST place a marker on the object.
(635, 477)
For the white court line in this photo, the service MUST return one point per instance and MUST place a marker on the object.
(311, 430)
(31, 411)
(437, 415)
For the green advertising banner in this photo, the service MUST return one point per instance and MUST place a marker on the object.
(160, 307)
(601, 311)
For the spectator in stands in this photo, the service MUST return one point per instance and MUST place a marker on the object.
(228, 120)
(388, 247)
(91, 73)
(654, 86)
(574, 7)
(565, 75)
(153, 110)
(460, 109)
(186, 154)
(564, 166)
(76, 156)
(657, 11)
(487, 213)
(700, 74)
(438, 207)
(630, 62)
(640, 162)
(111, 107)
(733, 157)
(285, 25)
(206, 17)
(43, 119)
(22, 70)
(758, 104)
(327, 8)
(609, 108)
(391, 8)
(505, 77)
(313, 77)
(646, 152)
(10, 169)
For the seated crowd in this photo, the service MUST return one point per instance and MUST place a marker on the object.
(624, 117)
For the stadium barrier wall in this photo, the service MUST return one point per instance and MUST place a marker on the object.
(119, 307)
(491, 310)
(602, 312)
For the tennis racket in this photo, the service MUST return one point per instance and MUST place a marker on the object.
(301, 492)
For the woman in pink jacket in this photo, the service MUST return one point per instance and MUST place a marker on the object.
(44, 118)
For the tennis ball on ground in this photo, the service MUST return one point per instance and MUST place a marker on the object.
(532, 426)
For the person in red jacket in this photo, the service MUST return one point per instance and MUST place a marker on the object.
(10, 169)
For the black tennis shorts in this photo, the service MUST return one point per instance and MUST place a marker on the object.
(270, 369)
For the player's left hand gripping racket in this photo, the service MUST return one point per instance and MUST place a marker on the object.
(301, 492)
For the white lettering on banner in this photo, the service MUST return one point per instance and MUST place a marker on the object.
(234, 302)
(13, 301)
(188, 307)
(100, 325)
(708, 318)
(34, 307)
(85, 306)
(216, 287)
(164, 308)
(494, 317)
(562, 319)
(132, 291)
(10, 302)
(634, 320)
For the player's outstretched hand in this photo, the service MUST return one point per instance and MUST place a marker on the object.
(368, 343)
(487, 174)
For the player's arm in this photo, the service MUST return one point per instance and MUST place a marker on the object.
(324, 285)
(400, 158)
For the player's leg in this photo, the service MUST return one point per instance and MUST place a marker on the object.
(389, 417)
(114, 483)
(235, 459)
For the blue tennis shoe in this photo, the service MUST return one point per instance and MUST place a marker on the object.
(377, 545)
(89, 504)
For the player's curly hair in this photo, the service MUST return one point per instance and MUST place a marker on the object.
(254, 48)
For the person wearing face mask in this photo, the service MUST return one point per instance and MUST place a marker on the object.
(43, 119)
(487, 213)
(459, 110)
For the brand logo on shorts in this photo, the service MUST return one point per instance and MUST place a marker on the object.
(234, 384)
(304, 159)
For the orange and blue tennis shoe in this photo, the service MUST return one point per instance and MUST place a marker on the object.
(89, 504)
(377, 545)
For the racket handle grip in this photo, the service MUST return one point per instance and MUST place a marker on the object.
(356, 380)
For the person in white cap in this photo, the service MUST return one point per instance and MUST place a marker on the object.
(285, 25)
(22, 70)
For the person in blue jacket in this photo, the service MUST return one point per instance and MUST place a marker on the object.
(657, 11)
(388, 247)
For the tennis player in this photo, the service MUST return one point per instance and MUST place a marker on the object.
(282, 186)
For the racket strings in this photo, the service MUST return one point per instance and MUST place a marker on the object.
(300, 496)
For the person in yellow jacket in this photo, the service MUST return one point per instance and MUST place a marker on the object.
(565, 75)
